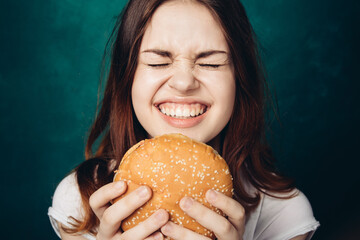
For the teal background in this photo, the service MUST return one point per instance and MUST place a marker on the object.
(50, 54)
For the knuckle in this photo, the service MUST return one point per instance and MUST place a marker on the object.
(225, 227)
(129, 201)
(241, 213)
(121, 237)
(107, 218)
(186, 235)
(237, 211)
(155, 221)
(199, 212)
(92, 201)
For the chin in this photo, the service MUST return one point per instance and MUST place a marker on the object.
(191, 133)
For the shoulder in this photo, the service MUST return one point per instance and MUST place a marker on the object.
(298, 205)
(285, 218)
(67, 196)
(66, 203)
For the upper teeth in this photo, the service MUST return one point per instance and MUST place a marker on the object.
(182, 110)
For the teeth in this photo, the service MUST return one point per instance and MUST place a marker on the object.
(182, 110)
(179, 112)
(186, 112)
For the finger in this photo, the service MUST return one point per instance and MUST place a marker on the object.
(100, 199)
(177, 232)
(147, 227)
(113, 215)
(155, 236)
(222, 228)
(232, 208)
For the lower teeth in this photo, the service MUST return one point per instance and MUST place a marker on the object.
(181, 117)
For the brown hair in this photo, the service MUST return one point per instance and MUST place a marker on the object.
(243, 139)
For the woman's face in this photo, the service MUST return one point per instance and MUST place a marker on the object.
(184, 82)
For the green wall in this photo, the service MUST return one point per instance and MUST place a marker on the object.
(50, 53)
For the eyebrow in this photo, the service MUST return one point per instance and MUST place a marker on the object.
(168, 54)
(209, 53)
(159, 52)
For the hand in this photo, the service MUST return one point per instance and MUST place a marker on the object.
(110, 216)
(230, 228)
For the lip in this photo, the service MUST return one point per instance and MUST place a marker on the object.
(182, 123)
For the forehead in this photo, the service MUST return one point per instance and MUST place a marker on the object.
(183, 25)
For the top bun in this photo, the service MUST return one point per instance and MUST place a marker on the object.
(174, 166)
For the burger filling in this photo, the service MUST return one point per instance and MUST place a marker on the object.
(182, 111)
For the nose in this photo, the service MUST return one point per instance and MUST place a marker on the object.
(183, 80)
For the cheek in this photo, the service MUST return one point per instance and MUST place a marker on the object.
(139, 94)
(223, 89)
(226, 97)
(135, 92)
(143, 87)
(231, 92)
(150, 78)
(229, 89)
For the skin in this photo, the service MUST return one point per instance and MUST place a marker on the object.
(182, 76)
(196, 68)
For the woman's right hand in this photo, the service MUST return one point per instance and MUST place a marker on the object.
(111, 216)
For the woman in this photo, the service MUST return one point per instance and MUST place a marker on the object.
(190, 67)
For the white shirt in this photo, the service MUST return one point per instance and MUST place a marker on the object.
(275, 219)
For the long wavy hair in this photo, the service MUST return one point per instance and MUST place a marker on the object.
(116, 127)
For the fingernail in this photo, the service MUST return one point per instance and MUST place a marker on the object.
(158, 236)
(119, 184)
(143, 192)
(211, 195)
(166, 228)
(186, 203)
(160, 215)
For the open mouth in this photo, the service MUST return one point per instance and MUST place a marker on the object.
(182, 111)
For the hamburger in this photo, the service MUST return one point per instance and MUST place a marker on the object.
(173, 166)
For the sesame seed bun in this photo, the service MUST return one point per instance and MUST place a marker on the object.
(174, 166)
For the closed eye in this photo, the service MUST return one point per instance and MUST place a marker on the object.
(210, 65)
(161, 65)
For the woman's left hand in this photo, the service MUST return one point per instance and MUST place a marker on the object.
(230, 228)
